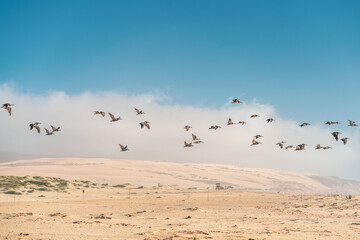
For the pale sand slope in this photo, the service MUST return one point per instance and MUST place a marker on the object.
(182, 175)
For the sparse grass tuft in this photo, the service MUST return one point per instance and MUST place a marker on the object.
(28, 184)
(13, 192)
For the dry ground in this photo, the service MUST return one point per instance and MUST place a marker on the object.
(164, 213)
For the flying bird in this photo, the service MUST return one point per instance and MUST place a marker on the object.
(336, 135)
(326, 148)
(254, 142)
(187, 127)
(290, 146)
(146, 124)
(269, 120)
(318, 146)
(304, 124)
(300, 147)
(139, 112)
(345, 140)
(230, 122)
(35, 125)
(236, 101)
(187, 144)
(331, 123)
(257, 136)
(241, 122)
(281, 144)
(215, 127)
(352, 124)
(124, 149)
(197, 142)
(54, 129)
(7, 106)
(48, 133)
(113, 119)
(100, 113)
(254, 116)
(194, 137)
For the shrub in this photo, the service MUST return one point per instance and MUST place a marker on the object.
(13, 192)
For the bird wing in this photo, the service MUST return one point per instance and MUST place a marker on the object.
(137, 110)
(147, 125)
(37, 128)
(112, 116)
(121, 146)
(47, 131)
(53, 128)
(9, 110)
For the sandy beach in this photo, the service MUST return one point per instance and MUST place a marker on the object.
(55, 208)
(163, 213)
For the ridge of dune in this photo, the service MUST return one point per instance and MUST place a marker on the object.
(181, 175)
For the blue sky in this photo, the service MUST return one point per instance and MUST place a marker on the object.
(302, 57)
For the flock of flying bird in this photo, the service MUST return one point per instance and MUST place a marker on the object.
(113, 119)
(270, 120)
(281, 144)
(195, 139)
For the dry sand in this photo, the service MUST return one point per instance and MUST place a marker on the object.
(163, 212)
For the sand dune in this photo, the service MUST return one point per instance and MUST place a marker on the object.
(51, 208)
(129, 212)
(178, 175)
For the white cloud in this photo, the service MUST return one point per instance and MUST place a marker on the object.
(84, 134)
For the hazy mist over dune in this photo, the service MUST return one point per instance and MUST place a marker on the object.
(85, 135)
